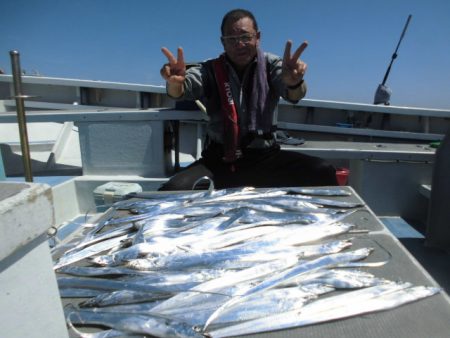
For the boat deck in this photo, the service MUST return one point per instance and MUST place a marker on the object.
(425, 318)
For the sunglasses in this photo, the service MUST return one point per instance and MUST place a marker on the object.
(234, 40)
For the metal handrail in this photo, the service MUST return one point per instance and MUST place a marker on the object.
(21, 119)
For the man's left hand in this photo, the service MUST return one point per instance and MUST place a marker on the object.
(293, 68)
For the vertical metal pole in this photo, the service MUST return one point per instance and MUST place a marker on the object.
(20, 107)
(2, 169)
(176, 136)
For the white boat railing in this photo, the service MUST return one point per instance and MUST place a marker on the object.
(308, 115)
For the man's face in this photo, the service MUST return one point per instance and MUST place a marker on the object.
(240, 41)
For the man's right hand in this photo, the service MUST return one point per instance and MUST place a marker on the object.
(174, 71)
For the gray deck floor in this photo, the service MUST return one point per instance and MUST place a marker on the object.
(436, 262)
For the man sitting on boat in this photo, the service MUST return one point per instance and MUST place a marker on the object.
(241, 89)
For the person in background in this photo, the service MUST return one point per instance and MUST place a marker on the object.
(241, 89)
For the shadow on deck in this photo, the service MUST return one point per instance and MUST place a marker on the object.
(435, 261)
(13, 165)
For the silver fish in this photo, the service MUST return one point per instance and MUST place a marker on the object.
(243, 195)
(286, 275)
(274, 301)
(253, 218)
(292, 205)
(377, 298)
(78, 293)
(160, 208)
(278, 250)
(318, 263)
(228, 280)
(89, 251)
(297, 235)
(115, 232)
(227, 239)
(254, 250)
(133, 252)
(101, 334)
(320, 191)
(172, 196)
(106, 284)
(288, 199)
(184, 260)
(266, 205)
(123, 297)
(136, 308)
(145, 324)
(212, 239)
(101, 223)
(349, 279)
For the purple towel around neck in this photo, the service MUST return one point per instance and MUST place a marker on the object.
(260, 116)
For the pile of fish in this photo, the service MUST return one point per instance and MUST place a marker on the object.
(221, 263)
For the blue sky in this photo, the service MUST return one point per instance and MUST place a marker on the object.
(350, 41)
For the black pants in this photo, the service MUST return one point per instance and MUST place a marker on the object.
(261, 168)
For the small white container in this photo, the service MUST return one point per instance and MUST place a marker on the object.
(112, 192)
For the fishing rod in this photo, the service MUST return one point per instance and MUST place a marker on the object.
(383, 93)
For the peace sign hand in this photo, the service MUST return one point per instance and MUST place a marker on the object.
(174, 72)
(293, 68)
